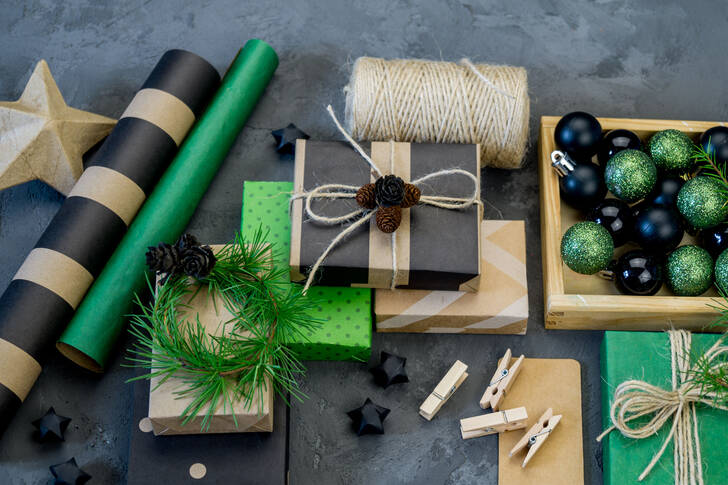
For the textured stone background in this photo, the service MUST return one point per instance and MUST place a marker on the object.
(652, 59)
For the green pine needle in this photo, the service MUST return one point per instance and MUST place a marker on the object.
(709, 167)
(251, 352)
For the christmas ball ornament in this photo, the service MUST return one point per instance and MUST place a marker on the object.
(581, 184)
(671, 150)
(616, 217)
(614, 142)
(715, 143)
(721, 272)
(689, 271)
(657, 229)
(630, 175)
(715, 239)
(702, 203)
(587, 247)
(665, 191)
(578, 134)
(637, 272)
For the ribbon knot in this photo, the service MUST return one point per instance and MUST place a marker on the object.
(634, 399)
(363, 214)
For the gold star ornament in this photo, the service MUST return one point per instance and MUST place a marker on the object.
(42, 138)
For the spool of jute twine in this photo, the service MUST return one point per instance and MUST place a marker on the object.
(441, 102)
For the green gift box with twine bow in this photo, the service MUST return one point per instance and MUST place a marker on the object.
(642, 363)
(346, 333)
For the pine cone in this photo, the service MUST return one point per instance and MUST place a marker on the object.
(389, 191)
(365, 196)
(389, 218)
(197, 261)
(163, 258)
(186, 241)
(412, 195)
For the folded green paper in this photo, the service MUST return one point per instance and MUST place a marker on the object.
(346, 333)
(646, 356)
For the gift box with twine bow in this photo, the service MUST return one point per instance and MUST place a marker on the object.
(386, 215)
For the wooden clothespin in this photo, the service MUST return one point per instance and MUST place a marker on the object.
(535, 436)
(501, 381)
(447, 386)
(506, 420)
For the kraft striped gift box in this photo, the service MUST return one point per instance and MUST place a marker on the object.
(500, 306)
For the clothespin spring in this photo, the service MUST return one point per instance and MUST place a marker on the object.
(532, 439)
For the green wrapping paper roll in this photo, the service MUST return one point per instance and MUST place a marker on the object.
(91, 335)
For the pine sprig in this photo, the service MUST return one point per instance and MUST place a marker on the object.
(709, 167)
(247, 353)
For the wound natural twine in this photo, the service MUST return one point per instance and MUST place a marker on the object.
(342, 191)
(634, 399)
(422, 101)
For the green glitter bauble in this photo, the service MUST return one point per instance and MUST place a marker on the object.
(701, 202)
(689, 271)
(671, 150)
(721, 271)
(587, 247)
(630, 175)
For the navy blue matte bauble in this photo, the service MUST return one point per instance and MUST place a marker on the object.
(665, 191)
(638, 272)
(583, 187)
(715, 142)
(657, 229)
(614, 142)
(616, 217)
(715, 239)
(578, 134)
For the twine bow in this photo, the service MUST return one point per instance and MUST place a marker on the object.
(362, 215)
(634, 399)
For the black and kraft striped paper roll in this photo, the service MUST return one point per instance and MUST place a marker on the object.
(52, 281)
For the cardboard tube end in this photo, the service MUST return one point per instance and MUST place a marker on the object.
(79, 358)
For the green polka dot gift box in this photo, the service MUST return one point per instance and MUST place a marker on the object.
(346, 333)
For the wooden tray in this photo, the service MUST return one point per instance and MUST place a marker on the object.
(579, 302)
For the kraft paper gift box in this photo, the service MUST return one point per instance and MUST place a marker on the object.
(347, 330)
(435, 248)
(166, 406)
(499, 306)
(645, 356)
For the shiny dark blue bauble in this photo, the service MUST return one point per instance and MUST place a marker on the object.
(578, 134)
(715, 142)
(616, 217)
(638, 272)
(715, 239)
(614, 142)
(657, 229)
(584, 187)
(665, 191)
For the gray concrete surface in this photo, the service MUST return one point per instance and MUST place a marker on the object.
(651, 59)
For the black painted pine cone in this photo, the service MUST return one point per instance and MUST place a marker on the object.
(186, 241)
(389, 191)
(389, 218)
(365, 196)
(412, 195)
(162, 258)
(197, 261)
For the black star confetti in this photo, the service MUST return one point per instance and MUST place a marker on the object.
(51, 426)
(286, 139)
(69, 473)
(390, 370)
(369, 418)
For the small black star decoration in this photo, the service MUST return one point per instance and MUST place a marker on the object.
(369, 418)
(286, 139)
(69, 473)
(390, 370)
(51, 426)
